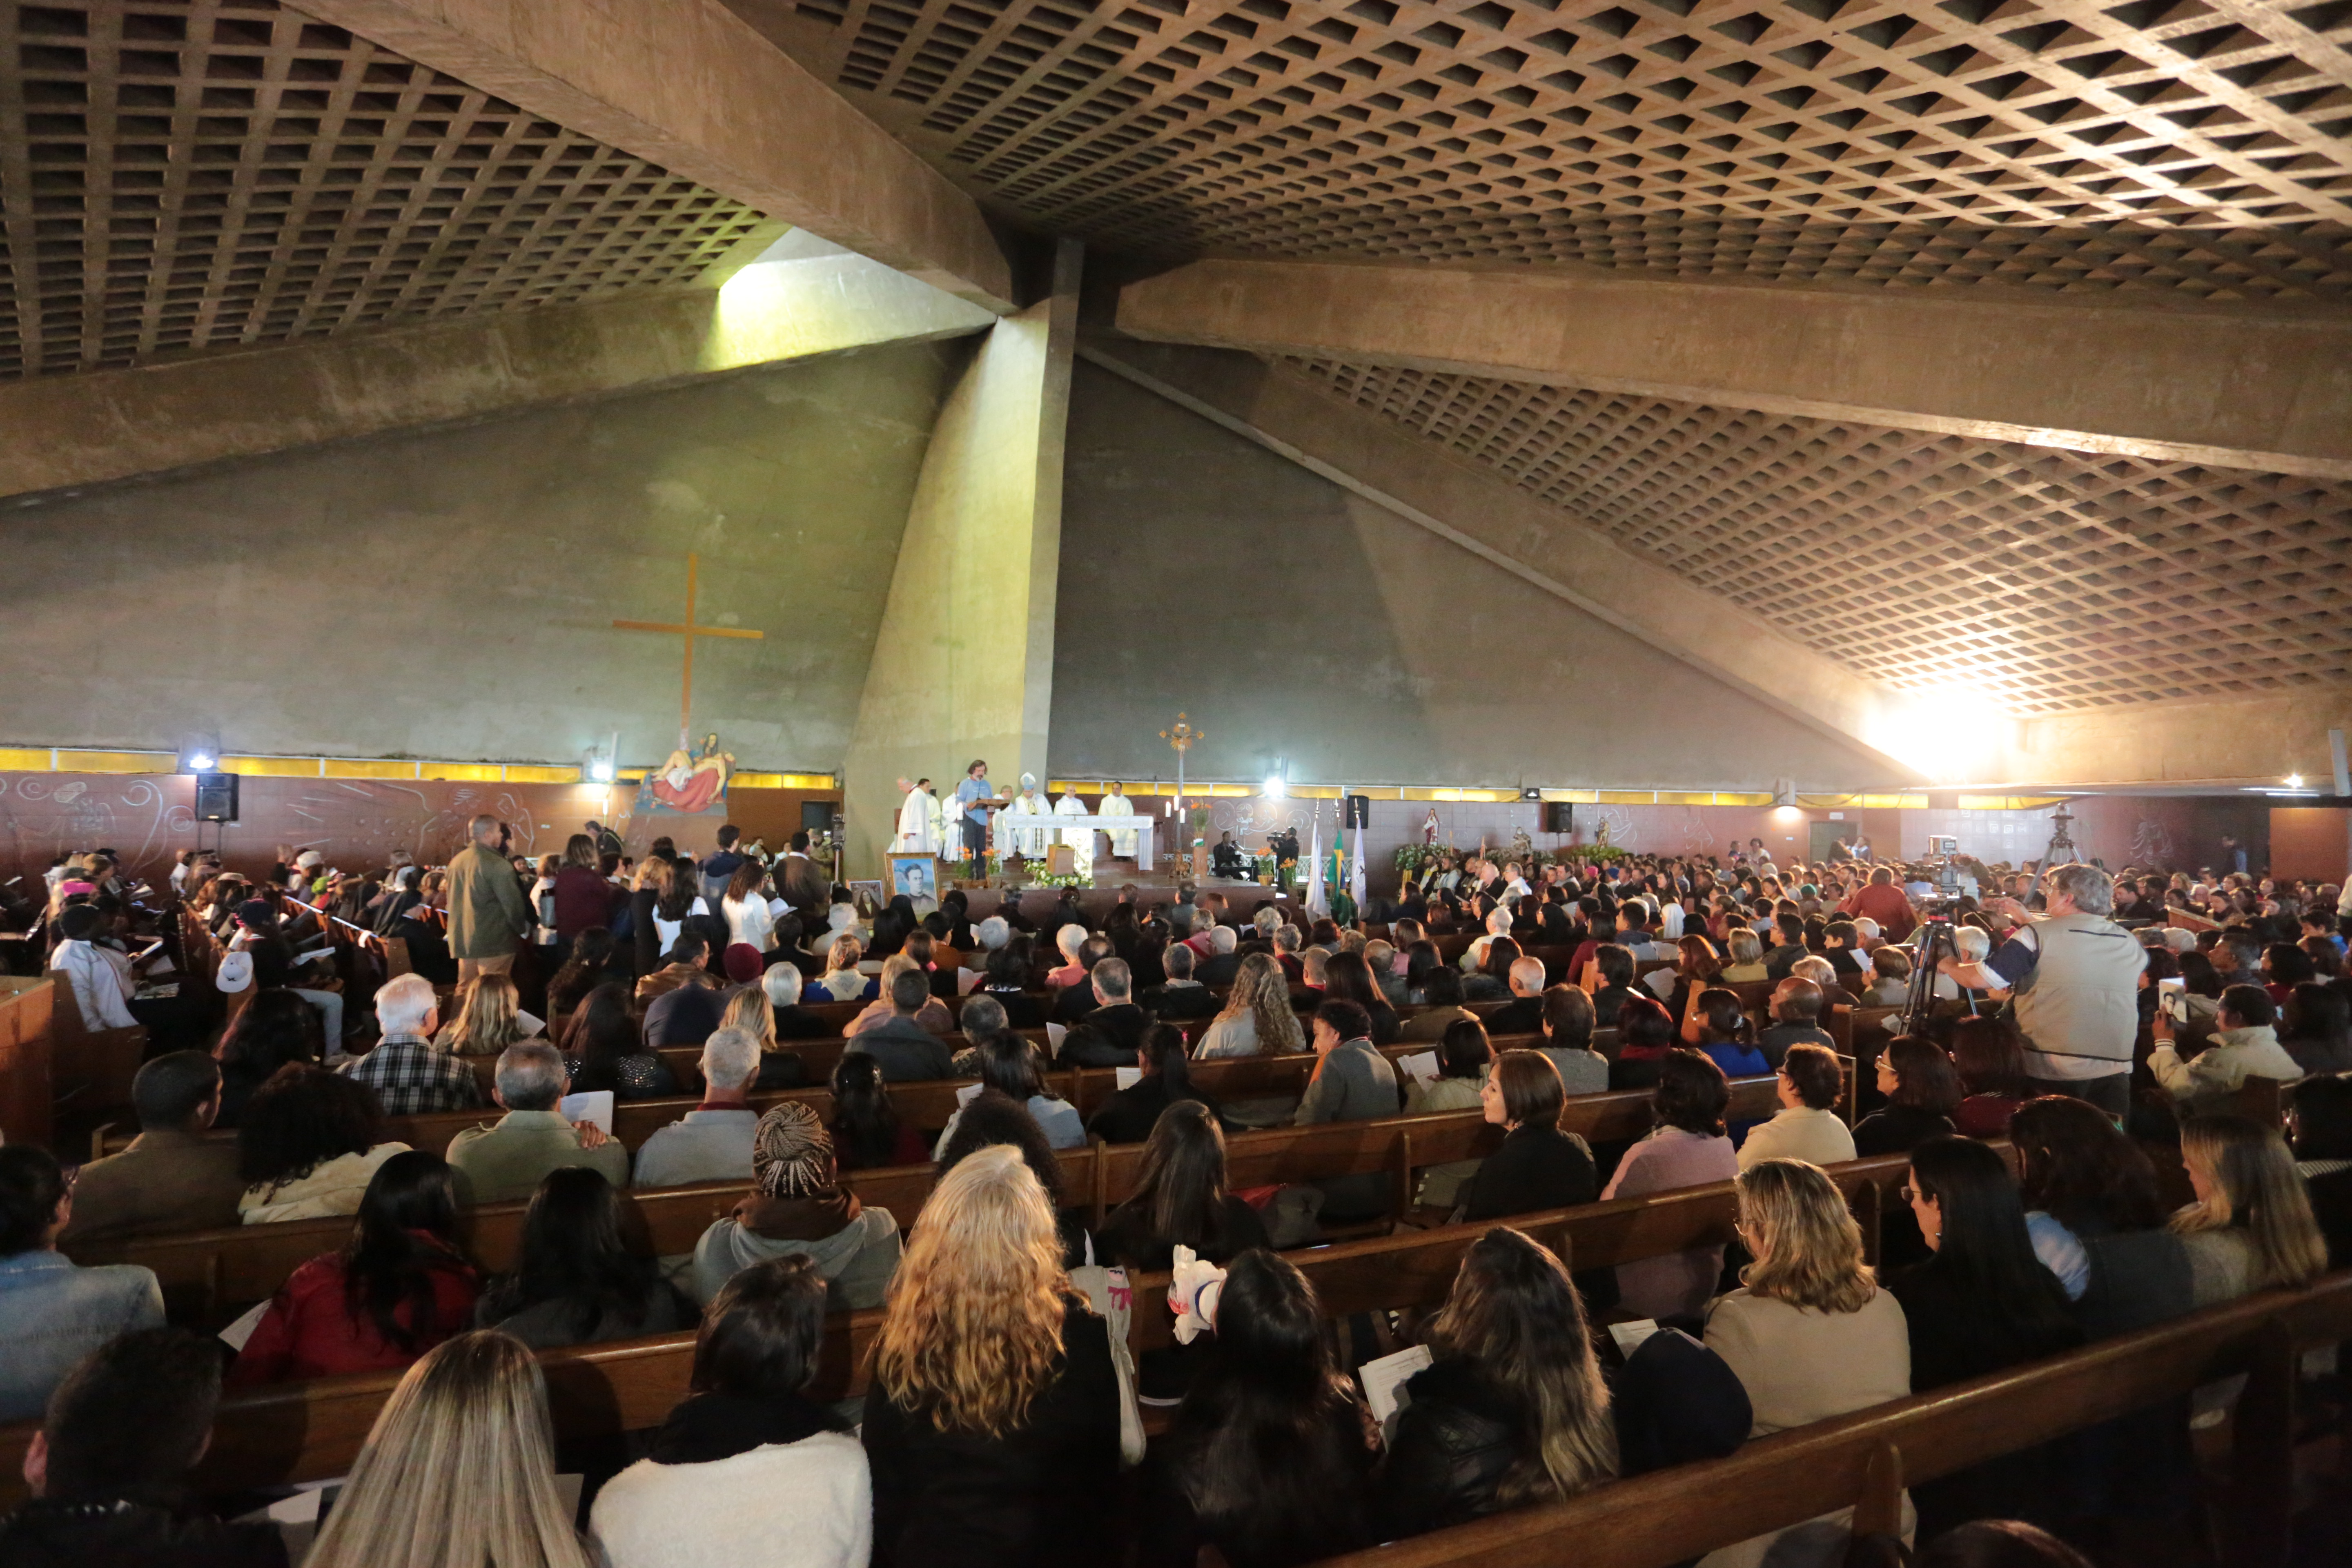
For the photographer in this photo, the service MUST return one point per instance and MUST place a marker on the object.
(2075, 974)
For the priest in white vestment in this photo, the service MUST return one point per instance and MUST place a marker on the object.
(1081, 840)
(1029, 843)
(1122, 839)
(920, 819)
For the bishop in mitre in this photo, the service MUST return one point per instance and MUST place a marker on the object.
(1029, 843)
(922, 822)
(1122, 839)
(1081, 840)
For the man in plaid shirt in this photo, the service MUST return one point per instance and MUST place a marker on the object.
(409, 1074)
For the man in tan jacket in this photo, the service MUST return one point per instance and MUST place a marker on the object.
(488, 913)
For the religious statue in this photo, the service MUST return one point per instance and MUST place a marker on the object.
(689, 782)
(1523, 849)
(1600, 834)
(1429, 829)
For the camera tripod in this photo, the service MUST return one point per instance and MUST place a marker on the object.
(2061, 842)
(1933, 943)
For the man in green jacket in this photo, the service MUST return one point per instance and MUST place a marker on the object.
(488, 913)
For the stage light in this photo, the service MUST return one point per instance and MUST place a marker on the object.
(200, 754)
(202, 762)
(601, 771)
(1274, 786)
(2295, 781)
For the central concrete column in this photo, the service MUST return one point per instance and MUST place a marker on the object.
(963, 668)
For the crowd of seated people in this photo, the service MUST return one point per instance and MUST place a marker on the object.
(1000, 1410)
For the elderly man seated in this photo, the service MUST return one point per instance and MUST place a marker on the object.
(508, 1160)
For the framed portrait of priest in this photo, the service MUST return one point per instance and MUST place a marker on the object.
(918, 876)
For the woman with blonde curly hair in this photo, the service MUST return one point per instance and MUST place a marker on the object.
(486, 1022)
(1258, 1019)
(992, 1419)
(842, 981)
(458, 1470)
(1808, 1334)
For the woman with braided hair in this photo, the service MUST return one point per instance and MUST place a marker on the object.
(798, 1209)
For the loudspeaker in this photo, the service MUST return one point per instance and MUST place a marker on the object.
(1559, 816)
(1359, 811)
(217, 797)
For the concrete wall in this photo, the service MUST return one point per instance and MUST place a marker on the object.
(964, 664)
(449, 594)
(1290, 618)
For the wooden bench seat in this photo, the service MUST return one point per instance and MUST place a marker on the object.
(313, 1431)
(207, 1274)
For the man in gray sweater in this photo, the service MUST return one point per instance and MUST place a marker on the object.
(1352, 1082)
(712, 1143)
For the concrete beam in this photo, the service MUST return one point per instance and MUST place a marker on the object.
(2230, 388)
(691, 86)
(963, 667)
(70, 430)
(1539, 543)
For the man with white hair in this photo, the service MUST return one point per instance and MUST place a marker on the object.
(712, 1143)
(782, 985)
(1523, 1014)
(2076, 976)
(1474, 957)
(1866, 931)
(1069, 938)
(1223, 962)
(410, 1076)
(993, 934)
(507, 1161)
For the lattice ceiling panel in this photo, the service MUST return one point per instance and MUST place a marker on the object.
(2196, 146)
(2049, 580)
(194, 174)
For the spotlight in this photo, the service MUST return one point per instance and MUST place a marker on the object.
(1274, 786)
(200, 754)
(2295, 781)
(601, 771)
(202, 762)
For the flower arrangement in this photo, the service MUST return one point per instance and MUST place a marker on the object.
(1063, 880)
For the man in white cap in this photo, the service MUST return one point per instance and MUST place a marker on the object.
(1029, 843)
(1081, 840)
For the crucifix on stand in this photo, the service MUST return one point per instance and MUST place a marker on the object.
(691, 631)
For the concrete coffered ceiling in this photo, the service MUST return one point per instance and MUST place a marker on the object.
(2003, 344)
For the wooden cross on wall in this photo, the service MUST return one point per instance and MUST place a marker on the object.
(691, 631)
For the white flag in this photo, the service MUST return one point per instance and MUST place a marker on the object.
(1355, 870)
(1316, 904)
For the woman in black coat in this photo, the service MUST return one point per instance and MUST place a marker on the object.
(1270, 1456)
(1538, 1166)
(1129, 1115)
(1922, 1089)
(1512, 1411)
(1981, 1302)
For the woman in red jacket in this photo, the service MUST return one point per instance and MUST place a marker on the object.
(398, 1287)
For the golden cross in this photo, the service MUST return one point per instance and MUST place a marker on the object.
(691, 631)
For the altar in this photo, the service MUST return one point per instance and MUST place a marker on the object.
(1054, 826)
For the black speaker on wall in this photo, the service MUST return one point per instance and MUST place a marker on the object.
(217, 797)
(1559, 816)
(1359, 811)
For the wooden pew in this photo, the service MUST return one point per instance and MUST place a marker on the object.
(91, 1070)
(303, 1432)
(1864, 1460)
(27, 1044)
